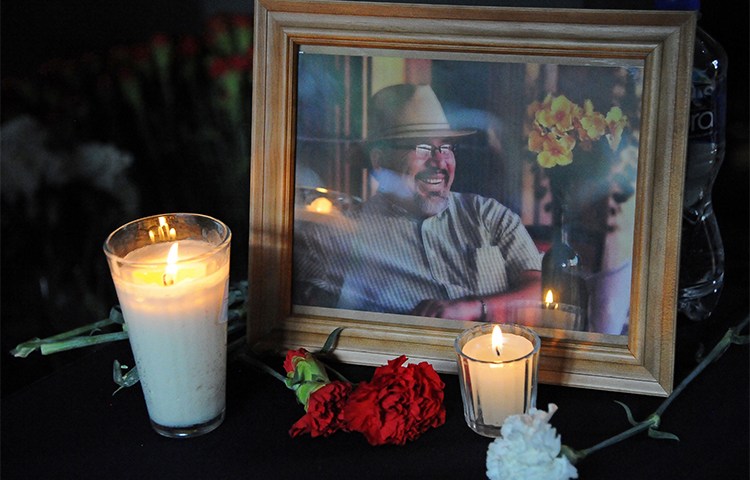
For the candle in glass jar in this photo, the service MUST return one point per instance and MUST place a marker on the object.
(173, 294)
(500, 383)
(545, 314)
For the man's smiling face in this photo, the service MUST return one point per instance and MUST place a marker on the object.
(424, 174)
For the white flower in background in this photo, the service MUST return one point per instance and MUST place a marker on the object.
(104, 166)
(528, 449)
(26, 165)
(101, 164)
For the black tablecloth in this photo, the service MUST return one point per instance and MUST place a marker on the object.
(69, 425)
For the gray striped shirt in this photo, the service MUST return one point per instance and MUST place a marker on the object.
(381, 259)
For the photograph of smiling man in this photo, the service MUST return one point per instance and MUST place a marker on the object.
(436, 186)
(416, 247)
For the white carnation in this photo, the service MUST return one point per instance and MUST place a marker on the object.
(529, 448)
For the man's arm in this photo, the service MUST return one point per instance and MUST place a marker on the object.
(529, 287)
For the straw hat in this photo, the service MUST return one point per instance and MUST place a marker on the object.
(409, 111)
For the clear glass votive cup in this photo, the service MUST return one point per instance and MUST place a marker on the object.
(537, 314)
(171, 274)
(496, 383)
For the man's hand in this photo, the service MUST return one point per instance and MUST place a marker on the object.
(464, 309)
(528, 288)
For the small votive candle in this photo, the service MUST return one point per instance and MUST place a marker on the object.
(497, 366)
(535, 314)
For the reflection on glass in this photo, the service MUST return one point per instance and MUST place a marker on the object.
(521, 151)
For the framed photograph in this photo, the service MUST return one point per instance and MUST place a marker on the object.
(417, 169)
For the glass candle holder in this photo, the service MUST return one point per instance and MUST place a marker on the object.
(498, 376)
(171, 274)
(535, 314)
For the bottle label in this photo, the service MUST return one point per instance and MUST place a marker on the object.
(701, 114)
(706, 108)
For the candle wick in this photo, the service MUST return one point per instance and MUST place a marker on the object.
(497, 351)
(167, 279)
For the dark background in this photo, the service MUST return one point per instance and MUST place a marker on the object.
(34, 32)
(71, 427)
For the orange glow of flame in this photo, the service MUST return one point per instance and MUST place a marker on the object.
(170, 272)
(549, 298)
(497, 340)
(321, 205)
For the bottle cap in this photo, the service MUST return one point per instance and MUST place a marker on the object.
(677, 4)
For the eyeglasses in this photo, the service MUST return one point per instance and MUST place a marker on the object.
(425, 151)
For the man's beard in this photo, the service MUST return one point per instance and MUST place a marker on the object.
(433, 204)
(397, 186)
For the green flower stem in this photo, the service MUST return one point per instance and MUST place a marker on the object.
(25, 348)
(79, 342)
(91, 327)
(336, 373)
(732, 336)
(261, 366)
(84, 336)
(652, 422)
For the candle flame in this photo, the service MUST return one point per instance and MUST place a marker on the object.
(321, 189)
(497, 340)
(549, 298)
(170, 272)
(321, 205)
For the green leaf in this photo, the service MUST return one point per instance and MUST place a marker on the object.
(333, 338)
(23, 350)
(306, 372)
(659, 435)
(124, 381)
(115, 315)
(628, 413)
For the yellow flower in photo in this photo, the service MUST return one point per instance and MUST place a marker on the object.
(593, 123)
(556, 151)
(558, 114)
(557, 125)
(536, 140)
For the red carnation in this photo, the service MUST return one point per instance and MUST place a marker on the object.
(323, 411)
(238, 62)
(218, 67)
(289, 360)
(397, 405)
(241, 21)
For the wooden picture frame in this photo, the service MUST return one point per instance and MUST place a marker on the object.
(641, 360)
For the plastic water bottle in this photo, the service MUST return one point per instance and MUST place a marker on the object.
(702, 251)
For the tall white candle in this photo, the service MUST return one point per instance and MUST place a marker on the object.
(177, 330)
(171, 273)
(501, 385)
